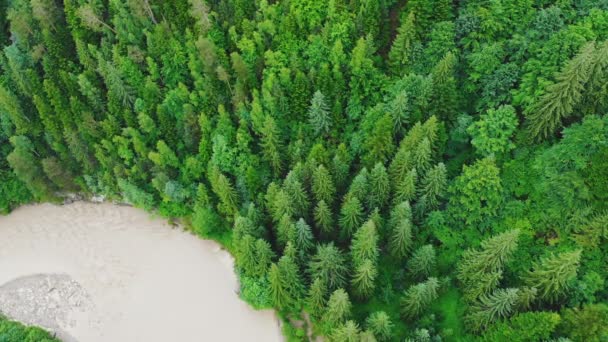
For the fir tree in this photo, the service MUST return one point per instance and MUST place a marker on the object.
(315, 302)
(338, 308)
(346, 332)
(364, 277)
(329, 265)
(322, 186)
(418, 297)
(323, 217)
(400, 54)
(400, 240)
(379, 186)
(318, 114)
(546, 115)
(500, 304)
(351, 215)
(280, 295)
(552, 275)
(365, 243)
(380, 324)
(422, 262)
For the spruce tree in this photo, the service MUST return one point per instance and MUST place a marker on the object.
(315, 301)
(418, 297)
(500, 304)
(297, 194)
(400, 240)
(552, 275)
(338, 308)
(379, 323)
(323, 217)
(279, 294)
(558, 103)
(365, 244)
(263, 257)
(379, 186)
(444, 99)
(346, 332)
(359, 187)
(433, 187)
(351, 215)
(329, 265)
(318, 114)
(322, 186)
(406, 189)
(303, 239)
(494, 252)
(271, 144)
(364, 278)
(422, 262)
(401, 51)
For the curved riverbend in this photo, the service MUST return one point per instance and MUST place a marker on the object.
(102, 272)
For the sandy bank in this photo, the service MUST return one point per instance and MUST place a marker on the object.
(101, 272)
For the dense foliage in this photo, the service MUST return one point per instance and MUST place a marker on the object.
(11, 331)
(417, 170)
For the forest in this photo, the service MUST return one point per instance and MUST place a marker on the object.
(383, 170)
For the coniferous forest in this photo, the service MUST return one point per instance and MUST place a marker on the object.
(383, 170)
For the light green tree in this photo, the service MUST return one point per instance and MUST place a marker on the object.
(551, 276)
(318, 114)
(418, 297)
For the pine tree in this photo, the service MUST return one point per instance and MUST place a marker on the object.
(285, 229)
(379, 187)
(444, 99)
(359, 187)
(246, 255)
(365, 243)
(318, 114)
(346, 332)
(400, 55)
(329, 265)
(406, 188)
(500, 304)
(222, 187)
(380, 324)
(422, 262)
(477, 264)
(560, 99)
(367, 336)
(271, 144)
(400, 240)
(433, 187)
(364, 277)
(315, 301)
(292, 281)
(303, 240)
(338, 308)
(323, 217)
(280, 295)
(422, 156)
(418, 297)
(297, 194)
(322, 186)
(280, 205)
(551, 276)
(351, 215)
(263, 257)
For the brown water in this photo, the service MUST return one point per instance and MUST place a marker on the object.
(102, 272)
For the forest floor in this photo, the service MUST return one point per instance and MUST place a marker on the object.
(102, 272)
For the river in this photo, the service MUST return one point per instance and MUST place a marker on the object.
(102, 272)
